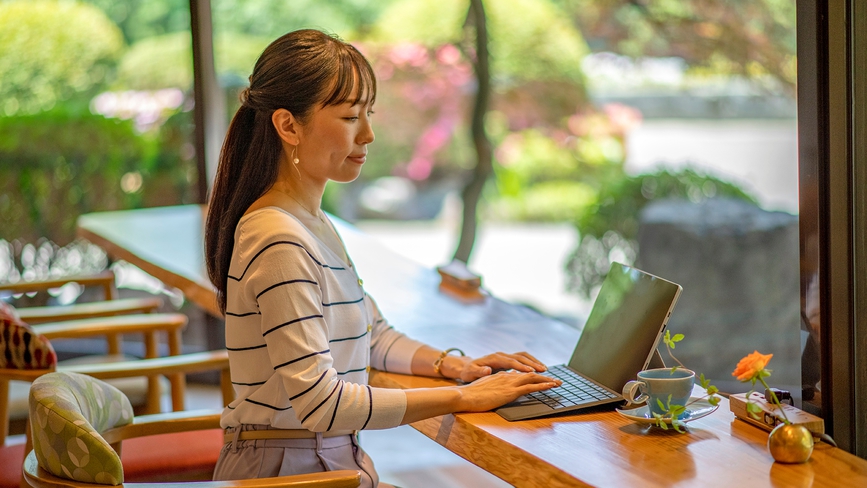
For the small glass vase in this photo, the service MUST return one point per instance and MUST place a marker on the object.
(790, 443)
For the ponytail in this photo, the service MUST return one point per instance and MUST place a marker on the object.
(243, 175)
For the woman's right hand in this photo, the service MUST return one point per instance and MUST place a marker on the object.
(490, 392)
(486, 393)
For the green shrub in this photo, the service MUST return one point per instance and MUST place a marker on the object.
(542, 179)
(167, 60)
(609, 228)
(550, 201)
(529, 39)
(158, 62)
(57, 164)
(170, 177)
(52, 51)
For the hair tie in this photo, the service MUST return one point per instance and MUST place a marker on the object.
(245, 97)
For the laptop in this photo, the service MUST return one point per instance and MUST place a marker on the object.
(619, 340)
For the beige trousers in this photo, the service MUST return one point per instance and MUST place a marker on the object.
(263, 458)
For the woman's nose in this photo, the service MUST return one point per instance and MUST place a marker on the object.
(366, 136)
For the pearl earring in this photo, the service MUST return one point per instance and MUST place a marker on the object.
(294, 154)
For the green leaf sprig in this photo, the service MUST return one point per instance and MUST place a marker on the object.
(672, 413)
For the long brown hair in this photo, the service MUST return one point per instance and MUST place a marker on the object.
(297, 72)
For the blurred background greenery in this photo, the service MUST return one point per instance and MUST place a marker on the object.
(96, 100)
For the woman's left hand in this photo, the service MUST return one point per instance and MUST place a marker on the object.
(499, 361)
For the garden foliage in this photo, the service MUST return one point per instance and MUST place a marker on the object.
(558, 158)
(43, 62)
(58, 164)
(608, 228)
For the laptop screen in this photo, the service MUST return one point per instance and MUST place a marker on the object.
(624, 326)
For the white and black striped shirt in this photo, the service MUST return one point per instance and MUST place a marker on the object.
(302, 334)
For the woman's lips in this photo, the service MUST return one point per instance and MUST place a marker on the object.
(357, 158)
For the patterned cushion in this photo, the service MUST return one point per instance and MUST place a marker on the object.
(20, 346)
(67, 413)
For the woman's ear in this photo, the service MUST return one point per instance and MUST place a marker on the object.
(287, 126)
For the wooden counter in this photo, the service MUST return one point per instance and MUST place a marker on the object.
(598, 448)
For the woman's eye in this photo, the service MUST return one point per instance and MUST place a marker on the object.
(353, 118)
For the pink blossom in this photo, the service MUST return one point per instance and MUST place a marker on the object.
(623, 117)
(561, 137)
(434, 138)
(419, 168)
(384, 70)
(577, 124)
(459, 76)
(409, 54)
(509, 151)
(448, 54)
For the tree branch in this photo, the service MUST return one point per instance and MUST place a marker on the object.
(484, 162)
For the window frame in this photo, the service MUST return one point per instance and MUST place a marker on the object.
(832, 43)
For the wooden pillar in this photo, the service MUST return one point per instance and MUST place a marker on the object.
(210, 108)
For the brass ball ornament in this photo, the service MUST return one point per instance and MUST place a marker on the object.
(790, 443)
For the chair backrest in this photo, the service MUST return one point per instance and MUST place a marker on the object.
(68, 411)
(20, 346)
(24, 355)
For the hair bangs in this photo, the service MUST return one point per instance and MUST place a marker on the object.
(354, 81)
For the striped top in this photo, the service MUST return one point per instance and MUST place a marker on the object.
(302, 334)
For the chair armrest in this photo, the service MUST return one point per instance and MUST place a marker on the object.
(28, 375)
(183, 363)
(104, 279)
(77, 311)
(39, 478)
(164, 423)
(174, 367)
(121, 324)
(330, 479)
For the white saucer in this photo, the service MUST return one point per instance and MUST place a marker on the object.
(697, 410)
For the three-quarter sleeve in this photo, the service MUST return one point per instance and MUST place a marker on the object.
(390, 350)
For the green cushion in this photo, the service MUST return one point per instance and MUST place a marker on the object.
(67, 413)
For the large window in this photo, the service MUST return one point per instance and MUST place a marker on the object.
(94, 115)
(661, 137)
(709, 196)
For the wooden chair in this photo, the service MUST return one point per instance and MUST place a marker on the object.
(193, 454)
(148, 325)
(109, 306)
(147, 376)
(143, 392)
(66, 406)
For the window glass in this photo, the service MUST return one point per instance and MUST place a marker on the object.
(709, 192)
(94, 115)
(662, 136)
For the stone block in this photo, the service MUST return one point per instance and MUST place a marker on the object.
(738, 265)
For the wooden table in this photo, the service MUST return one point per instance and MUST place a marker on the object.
(598, 448)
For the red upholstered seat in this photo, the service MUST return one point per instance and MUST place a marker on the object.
(11, 460)
(184, 456)
(190, 456)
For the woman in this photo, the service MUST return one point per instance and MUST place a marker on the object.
(301, 332)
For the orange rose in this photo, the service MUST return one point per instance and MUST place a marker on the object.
(750, 366)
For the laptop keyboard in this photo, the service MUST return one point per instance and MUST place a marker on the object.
(575, 390)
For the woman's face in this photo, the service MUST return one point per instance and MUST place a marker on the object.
(333, 144)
